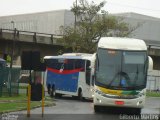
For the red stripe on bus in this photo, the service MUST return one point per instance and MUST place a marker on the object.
(64, 71)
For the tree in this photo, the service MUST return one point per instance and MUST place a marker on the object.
(92, 23)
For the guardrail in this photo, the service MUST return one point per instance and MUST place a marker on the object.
(29, 36)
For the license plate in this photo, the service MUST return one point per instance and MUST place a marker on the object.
(119, 102)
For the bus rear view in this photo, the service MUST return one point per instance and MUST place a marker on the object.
(121, 73)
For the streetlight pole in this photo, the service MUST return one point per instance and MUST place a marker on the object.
(75, 20)
(13, 24)
(13, 43)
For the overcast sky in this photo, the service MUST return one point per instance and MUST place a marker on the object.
(12, 7)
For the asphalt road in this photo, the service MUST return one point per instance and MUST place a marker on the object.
(68, 108)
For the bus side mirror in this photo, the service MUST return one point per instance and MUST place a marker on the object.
(89, 68)
(150, 63)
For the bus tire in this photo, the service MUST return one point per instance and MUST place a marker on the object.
(58, 95)
(137, 111)
(97, 108)
(80, 95)
(53, 92)
(49, 89)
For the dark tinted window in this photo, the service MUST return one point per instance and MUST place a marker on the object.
(88, 72)
(66, 64)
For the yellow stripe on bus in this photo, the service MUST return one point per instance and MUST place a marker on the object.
(109, 91)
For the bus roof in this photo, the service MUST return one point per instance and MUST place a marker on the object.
(66, 57)
(85, 56)
(77, 54)
(122, 43)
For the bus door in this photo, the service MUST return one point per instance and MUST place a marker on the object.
(88, 72)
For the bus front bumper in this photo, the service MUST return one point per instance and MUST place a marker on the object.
(100, 100)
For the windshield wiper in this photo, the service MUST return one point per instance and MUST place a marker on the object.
(113, 79)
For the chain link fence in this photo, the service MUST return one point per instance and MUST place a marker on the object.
(153, 83)
(9, 81)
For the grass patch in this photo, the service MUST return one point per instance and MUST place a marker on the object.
(16, 106)
(153, 94)
(16, 103)
(18, 97)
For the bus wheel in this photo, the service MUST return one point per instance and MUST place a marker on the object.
(53, 92)
(49, 89)
(97, 109)
(58, 95)
(80, 95)
(137, 111)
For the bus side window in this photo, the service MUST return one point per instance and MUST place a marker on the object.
(80, 64)
(88, 72)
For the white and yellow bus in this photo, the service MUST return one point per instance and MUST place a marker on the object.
(121, 73)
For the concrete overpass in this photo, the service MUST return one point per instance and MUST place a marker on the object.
(47, 44)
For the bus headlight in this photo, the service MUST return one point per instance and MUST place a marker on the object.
(139, 103)
(99, 92)
(142, 93)
(92, 90)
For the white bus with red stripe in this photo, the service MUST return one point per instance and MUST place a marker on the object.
(69, 75)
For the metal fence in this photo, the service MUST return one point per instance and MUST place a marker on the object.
(9, 81)
(153, 83)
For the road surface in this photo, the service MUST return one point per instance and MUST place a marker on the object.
(68, 108)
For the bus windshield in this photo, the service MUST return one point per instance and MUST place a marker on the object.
(66, 64)
(120, 69)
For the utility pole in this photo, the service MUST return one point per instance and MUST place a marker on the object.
(75, 19)
(13, 43)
